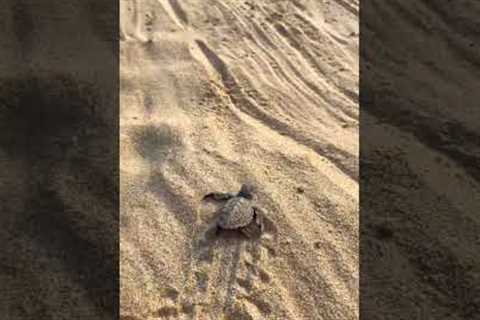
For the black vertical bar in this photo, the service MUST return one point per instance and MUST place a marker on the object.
(59, 207)
(419, 159)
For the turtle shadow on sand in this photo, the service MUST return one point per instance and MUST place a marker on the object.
(209, 237)
(227, 236)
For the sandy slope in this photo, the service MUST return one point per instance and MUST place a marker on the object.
(214, 93)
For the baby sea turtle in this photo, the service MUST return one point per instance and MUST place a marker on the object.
(239, 212)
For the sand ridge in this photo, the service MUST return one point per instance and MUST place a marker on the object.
(214, 93)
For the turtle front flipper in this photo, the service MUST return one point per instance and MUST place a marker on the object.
(219, 196)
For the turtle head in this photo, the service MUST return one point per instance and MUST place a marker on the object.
(247, 191)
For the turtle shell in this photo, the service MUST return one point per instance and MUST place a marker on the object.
(236, 213)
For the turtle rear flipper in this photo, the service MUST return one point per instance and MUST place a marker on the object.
(254, 229)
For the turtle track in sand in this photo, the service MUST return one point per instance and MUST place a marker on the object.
(224, 91)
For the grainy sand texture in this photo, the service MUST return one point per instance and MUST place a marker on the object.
(218, 92)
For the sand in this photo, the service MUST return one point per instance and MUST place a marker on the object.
(213, 94)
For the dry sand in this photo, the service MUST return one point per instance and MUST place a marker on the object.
(215, 93)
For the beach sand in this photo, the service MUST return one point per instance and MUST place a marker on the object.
(216, 93)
